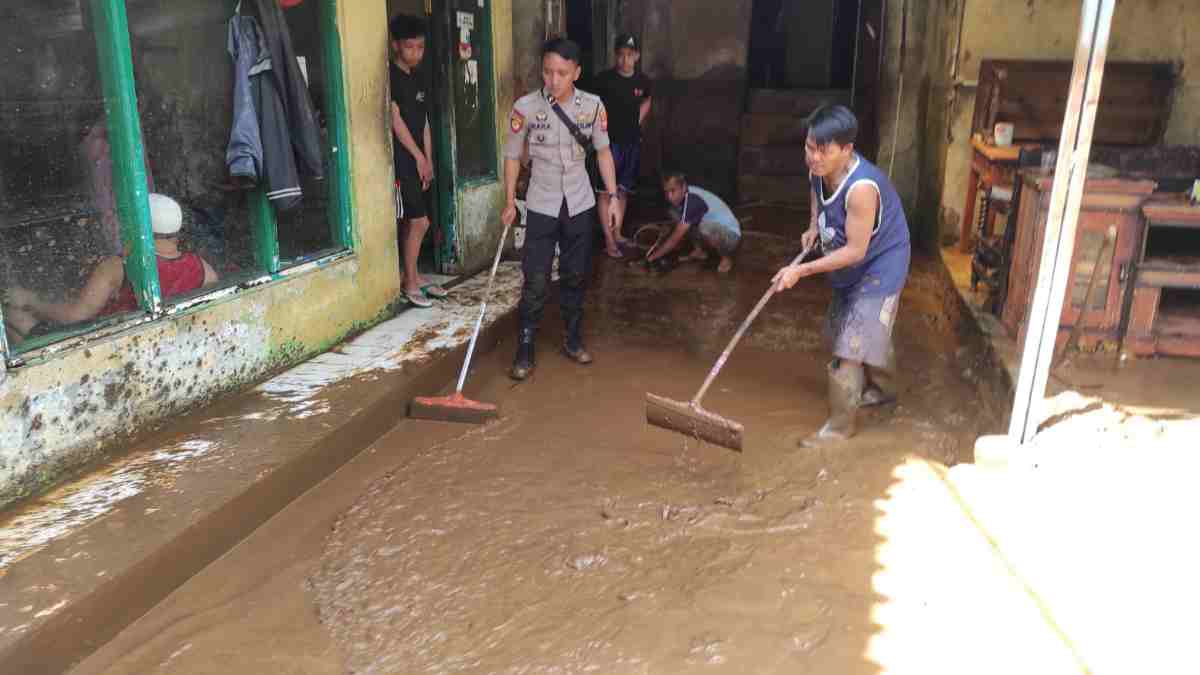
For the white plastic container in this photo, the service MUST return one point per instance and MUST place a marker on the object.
(1004, 134)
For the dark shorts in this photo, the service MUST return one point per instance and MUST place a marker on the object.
(411, 201)
(627, 158)
(859, 328)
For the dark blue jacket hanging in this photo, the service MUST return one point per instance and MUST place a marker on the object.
(268, 79)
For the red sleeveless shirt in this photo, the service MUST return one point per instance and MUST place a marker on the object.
(176, 276)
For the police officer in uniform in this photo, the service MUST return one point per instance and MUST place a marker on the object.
(560, 198)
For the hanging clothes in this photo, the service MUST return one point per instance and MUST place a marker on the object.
(289, 140)
(301, 117)
(246, 46)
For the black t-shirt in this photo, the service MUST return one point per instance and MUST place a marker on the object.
(410, 91)
(623, 97)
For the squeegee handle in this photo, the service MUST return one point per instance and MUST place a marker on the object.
(487, 294)
(712, 374)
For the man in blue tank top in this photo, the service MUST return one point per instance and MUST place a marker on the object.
(859, 222)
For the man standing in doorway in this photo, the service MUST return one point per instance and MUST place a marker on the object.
(412, 151)
(559, 122)
(859, 220)
(626, 95)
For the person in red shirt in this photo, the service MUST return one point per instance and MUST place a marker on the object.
(107, 291)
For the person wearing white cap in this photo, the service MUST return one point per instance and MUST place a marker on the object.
(107, 291)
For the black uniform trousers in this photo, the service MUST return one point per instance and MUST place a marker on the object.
(573, 236)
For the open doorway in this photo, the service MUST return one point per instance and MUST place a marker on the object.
(803, 55)
(427, 261)
(808, 45)
(591, 24)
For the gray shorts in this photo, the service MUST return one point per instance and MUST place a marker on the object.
(712, 235)
(859, 328)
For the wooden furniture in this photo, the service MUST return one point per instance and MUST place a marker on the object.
(1106, 202)
(1165, 312)
(1032, 96)
(991, 165)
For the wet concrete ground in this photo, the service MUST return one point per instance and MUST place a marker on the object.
(571, 537)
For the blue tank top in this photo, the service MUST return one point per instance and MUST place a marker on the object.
(885, 267)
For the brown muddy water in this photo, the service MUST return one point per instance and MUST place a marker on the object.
(569, 536)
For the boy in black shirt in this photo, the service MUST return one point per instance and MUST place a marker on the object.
(412, 150)
(626, 95)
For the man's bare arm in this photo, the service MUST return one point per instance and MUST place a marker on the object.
(672, 242)
(103, 282)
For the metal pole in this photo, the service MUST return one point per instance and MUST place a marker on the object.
(3, 346)
(1054, 275)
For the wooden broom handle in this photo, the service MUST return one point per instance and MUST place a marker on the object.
(712, 374)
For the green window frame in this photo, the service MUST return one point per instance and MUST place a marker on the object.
(111, 29)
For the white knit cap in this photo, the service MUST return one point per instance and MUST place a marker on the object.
(166, 217)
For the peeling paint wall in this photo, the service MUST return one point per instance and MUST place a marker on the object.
(1142, 30)
(59, 414)
(528, 34)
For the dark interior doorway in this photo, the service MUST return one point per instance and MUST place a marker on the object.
(808, 45)
(580, 29)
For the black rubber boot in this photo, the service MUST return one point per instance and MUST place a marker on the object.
(573, 341)
(524, 361)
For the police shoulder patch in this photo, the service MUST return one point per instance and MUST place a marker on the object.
(517, 121)
(603, 119)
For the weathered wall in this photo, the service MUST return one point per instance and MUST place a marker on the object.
(528, 33)
(62, 412)
(1143, 30)
(900, 127)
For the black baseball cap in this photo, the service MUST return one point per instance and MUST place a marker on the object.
(628, 40)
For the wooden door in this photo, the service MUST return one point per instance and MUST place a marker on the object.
(1103, 312)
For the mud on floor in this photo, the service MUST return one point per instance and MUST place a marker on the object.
(571, 537)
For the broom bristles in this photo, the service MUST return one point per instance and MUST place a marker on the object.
(695, 421)
(454, 408)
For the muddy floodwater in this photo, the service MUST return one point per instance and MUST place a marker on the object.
(569, 536)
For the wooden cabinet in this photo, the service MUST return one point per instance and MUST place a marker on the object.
(1165, 314)
(1106, 203)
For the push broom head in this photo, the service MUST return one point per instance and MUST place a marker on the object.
(693, 421)
(452, 408)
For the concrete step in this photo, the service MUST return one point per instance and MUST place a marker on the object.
(785, 189)
(775, 160)
(84, 562)
(796, 102)
(763, 129)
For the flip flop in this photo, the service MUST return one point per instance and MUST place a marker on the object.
(434, 291)
(417, 300)
(615, 256)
